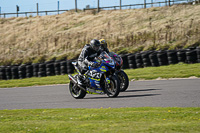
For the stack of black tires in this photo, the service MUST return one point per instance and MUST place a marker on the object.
(42, 70)
(8, 72)
(14, 72)
(125, 61)
(153, 58)
(63, 67)
(131, 61)
(138, 60)
(22, 71)
(198, 54)
(57, 68)
(35, 69)
(3, 73)
(172, 57)
(162, 58)
(70, 67)
(146, 58)
(50, 70)
(191, 55)
(29, 71)
(181, 55)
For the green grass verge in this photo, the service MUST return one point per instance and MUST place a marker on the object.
(172, 71)
(120, 120)
(61, 79)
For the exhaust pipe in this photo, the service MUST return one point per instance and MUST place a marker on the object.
(75, 82)
(72, 79)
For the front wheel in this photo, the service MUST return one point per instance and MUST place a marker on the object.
(75, 91)
(124, 81)
(113, 89)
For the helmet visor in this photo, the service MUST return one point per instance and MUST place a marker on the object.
(96, 48)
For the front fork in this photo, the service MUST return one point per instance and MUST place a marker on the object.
(107, 81)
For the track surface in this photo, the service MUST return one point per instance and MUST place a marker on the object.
(156, 93)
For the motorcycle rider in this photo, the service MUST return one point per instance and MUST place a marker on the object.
(104, 46)
(88, 53)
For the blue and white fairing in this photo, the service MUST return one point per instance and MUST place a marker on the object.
(95, 74)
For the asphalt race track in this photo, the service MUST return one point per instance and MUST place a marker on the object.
(155, 93)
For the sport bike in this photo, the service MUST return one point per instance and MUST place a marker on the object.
(122, 76)
(98, 80)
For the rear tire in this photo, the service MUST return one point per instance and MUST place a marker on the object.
(124, 81)
(114, 89)
(75, 91)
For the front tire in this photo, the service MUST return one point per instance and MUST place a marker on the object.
(114, 87)
(75, 91)
(124, 81)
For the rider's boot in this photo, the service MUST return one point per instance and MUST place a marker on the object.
(81, 80)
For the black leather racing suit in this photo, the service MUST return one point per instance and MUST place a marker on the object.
(87, 55)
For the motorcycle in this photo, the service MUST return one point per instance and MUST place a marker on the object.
(124, 81)
(98, 80)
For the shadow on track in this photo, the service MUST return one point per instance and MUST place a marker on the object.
(145, 95)
(141, 90)
(124, 96)
(129, 96)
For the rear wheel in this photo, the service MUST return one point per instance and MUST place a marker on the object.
(113, 88)
(124, 81)
(75, 91)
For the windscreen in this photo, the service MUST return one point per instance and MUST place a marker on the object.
(104, 55)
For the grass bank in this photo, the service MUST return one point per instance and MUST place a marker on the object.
(35, 39)
(101, 120)
(172, 71)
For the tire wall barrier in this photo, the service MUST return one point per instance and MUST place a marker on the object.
(130, 61)
(163, 57)
(70, 67)
(63, 67)
(125, 61)
(198, 54)
(146, 59)
(49, 68)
